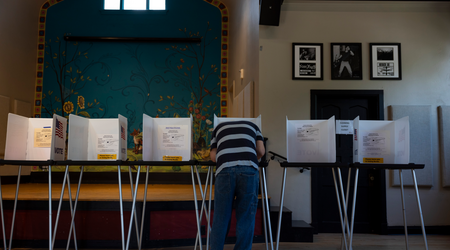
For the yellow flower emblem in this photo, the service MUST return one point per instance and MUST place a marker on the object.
(68, 107)
(81, 102)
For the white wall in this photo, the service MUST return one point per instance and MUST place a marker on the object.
(18, 48)
(422, 28)
(243, 44)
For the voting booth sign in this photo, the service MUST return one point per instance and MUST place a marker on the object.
(381, 141)
(97, 139)
(311, 140)
(167, 139)
(35, 138)
(256, 120)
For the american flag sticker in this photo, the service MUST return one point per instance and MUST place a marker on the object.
(122, 132)
(59, 129)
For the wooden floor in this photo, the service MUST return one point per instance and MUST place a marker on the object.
(102, 192)
(360, 242)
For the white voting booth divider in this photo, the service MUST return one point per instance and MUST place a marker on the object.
(33, 141)
(311, 140)
(167, 139)
(35, 138)
(97, 139)
(262, 177)
(381, 141)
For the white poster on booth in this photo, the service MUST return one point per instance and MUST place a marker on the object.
(375, 142)
(172, 136)
(107, 146)
(308, 133)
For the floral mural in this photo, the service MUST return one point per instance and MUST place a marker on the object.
(103, 79)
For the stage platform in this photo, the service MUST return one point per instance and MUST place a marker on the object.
(169, 221)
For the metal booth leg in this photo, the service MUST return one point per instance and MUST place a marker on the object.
(60, 204)
(400, 174)
(3, 217)
(72, 223)
(50, 246)
(263, 209)
(283, 185)
(14, 210)
(340, 210)
(353, 207)
(133, 208)
(266, 208)
(344, 205)
(420, 209)
(121, 206)
(143, 208)
(196, 205)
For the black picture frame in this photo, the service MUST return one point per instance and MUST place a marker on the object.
(346, 61)
(307, 61)
(385, 61)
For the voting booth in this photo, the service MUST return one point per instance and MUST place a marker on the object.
(97, 139)
(381, 141)
(167, 139)
(311, 140)
(35, 139)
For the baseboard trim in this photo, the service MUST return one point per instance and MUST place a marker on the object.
(442, 230)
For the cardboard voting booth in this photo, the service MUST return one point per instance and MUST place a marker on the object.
(35, 138)
(97, 139)
(256, 120)
(311, 140)
(166, 139)
(381, 141)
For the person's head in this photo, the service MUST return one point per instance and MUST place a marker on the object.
(347, 48)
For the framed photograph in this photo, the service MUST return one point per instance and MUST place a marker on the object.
(346, 61)
(385, 61)
(307, 63)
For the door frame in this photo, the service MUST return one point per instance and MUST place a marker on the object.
(378, 223)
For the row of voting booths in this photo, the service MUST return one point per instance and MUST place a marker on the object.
(309, 143)
(376, 144)
(84, 141)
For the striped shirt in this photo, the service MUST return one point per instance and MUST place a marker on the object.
(236, 144)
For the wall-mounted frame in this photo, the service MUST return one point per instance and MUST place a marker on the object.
(346, 61)
(307, 61)
(385, 61)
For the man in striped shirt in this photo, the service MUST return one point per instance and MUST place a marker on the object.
(236, 147)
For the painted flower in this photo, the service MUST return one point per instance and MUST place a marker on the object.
(208, 121)
(190, 109)
(197, 111)
(203, 118)
(81, 102)
(198, 116)
(211, 129)
(68, 107)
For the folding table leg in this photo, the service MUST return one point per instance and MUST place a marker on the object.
(60, 204)
(263, 209)
(340, 210)
(353, 207)
(283, 185)
(133, 195)
(267, 208)
(143, 208)
(50, 246)
(400, 174)
(211, 173)
(72, 224)
(203, 207)
(15, 207)
(196, 206)
(420, 209)
(344, 205)
(3, 217)
(121, 207)
(72, 212)
(133, 208)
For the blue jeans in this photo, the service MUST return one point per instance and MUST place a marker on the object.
(240, 182)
